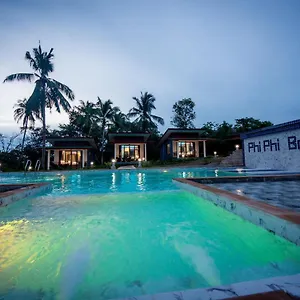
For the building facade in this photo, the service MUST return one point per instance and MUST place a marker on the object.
(70, 152)
(274, 147)
(128, 146)
(182, 143)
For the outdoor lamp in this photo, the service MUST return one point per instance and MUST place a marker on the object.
(113, 166)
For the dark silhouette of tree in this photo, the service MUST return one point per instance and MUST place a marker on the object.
(184, 114)
(48, 92)
(143, 112)
(28, 117)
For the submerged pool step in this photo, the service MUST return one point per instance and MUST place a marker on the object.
(282, 222)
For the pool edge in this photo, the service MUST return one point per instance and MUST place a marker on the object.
(282, 222)
(28, 190)
(290, 284)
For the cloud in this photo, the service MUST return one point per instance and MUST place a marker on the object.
(233, 58)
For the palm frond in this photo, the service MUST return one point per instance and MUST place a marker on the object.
(138, 103)
(31, 60)
(63, 88)
(134, 112)
(43, 61)
(158, 119)
(20, 77)
(54, 96)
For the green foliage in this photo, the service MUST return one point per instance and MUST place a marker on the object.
(144, 119)
(248, 124)
(225, 129)
(84, 118)
(48, 92)
(184, 114)
(28, 117)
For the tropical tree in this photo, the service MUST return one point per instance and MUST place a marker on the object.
(108, 115)
(143, 112)
(85, 117)
(28, 117)
(184, 113)
(48, 92)
(64, 130)
(248, 124)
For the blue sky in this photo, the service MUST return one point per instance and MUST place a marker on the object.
(234, 58)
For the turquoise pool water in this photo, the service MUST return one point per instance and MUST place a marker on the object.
(89, 182)
(104, 235)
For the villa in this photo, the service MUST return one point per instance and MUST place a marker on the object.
(129, 146)
(182, 143)
(75, 152)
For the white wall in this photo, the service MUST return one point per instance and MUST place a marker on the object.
(285, 154)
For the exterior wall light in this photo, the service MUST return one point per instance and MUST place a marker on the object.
(237, 147)
(215, 153)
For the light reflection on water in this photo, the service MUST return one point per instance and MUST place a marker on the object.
(91, 182)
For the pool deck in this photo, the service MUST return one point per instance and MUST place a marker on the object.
(15, 192)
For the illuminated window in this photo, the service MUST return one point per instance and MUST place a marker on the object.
(129, 152)
(186, 149)
(69, 157)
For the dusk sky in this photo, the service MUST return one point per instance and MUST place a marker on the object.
(234, 58)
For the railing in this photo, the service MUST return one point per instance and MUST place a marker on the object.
(28, 165)
(37, 165)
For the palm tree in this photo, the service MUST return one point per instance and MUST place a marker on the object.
(85, 117)
(108, 115)
(22, 112)
(48, 92)
(143, 112)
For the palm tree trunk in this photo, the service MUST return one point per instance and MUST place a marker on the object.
(24, 135)
(43, 111)
(102, 144)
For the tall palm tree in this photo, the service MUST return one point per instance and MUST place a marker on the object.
(48, 92)
(28, 117)
(107, 114)
(143, 112)
(85, 117)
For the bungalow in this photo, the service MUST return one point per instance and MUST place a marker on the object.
(76, 152)
(182, 143)
(129, 146)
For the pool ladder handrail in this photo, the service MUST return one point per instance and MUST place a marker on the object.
(37, 165)
(28, 165)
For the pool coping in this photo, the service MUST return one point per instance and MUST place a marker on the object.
(26, 190)
(247, 178)
(167, 167)
(282, 222)
(289, 284)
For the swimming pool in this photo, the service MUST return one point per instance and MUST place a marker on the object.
(106, 181)
(104, 235)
